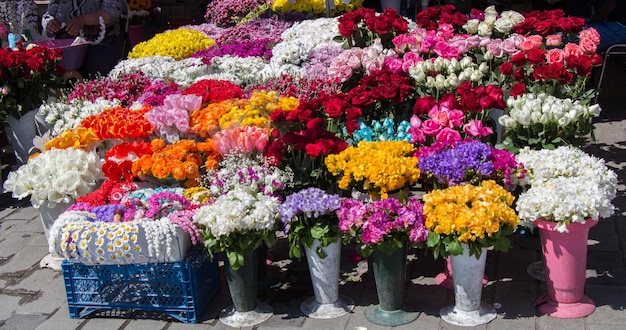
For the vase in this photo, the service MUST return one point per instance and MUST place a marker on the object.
(136, 34)
(445, 280)
(394, 4)
(390, 275)
(565, 264)
(21, 132)
(327, 303)
(48, 215)
(467, 274)
(242, 283)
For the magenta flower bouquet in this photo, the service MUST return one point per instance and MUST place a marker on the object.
(385, 224)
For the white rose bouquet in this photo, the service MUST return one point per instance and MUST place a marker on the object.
(542, 121)
(56, 176)
(565, 185)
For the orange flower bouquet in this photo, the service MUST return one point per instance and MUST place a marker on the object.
(180, 161)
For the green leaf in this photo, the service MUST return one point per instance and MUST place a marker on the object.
(454, 248)
(433, 239)
(318, 232)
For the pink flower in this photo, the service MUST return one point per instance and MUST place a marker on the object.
(172, 118)
(241, 139)
(555, 55)
(554, 40)
(456, 118)
(590, 33)
(394, 64)
(476, 128)
(495, 48)
(442, 118)
(588, 45)
(572, 49)
(530, 42)
(508, 46)
(448, 135)
(431, 127)
(409, 60)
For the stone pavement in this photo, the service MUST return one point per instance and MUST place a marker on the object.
(34, 298)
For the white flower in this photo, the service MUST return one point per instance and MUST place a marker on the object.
(566, 185)
(55, 176)
(471, 26)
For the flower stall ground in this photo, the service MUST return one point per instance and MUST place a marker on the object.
(34, 298)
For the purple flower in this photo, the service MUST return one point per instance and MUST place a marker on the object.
(465, 162)
(310, 203)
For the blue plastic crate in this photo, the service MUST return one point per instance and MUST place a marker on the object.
(182, 290)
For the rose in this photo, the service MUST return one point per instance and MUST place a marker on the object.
(555, 55)
(535, 55)
(518, 89)
(347, 28)
(448, 135)
(588, 45)
(554, 40)
(590, 33)
(572, 49)
(431, 127)
(476, 128)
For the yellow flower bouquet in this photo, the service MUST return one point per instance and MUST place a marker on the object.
(480, 216)
(178, 44)
(375, 168)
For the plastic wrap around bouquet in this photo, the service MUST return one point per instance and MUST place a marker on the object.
(78, 238)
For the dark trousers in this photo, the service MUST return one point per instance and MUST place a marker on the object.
(101, 58)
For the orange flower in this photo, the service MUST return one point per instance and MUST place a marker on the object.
(120, 123)
(160, 170)
(178, 170)
(191, 169)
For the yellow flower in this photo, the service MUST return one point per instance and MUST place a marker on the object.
(469, 212)
(179, 44)
(315, 6)
(375, 167)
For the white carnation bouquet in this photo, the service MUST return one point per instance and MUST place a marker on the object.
(565, 185)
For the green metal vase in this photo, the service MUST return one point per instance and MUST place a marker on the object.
(390, 275)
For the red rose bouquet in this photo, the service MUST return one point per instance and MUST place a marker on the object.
(28, 76)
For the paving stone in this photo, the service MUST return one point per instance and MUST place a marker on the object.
(38, 279)
(8, 305)
(199, 326)
(516, 299)
(318, 324)
(603, 236)
(608, 268)
(8, 227)
(23, 321)
(610, 304)
(60, 319)
(52, 297)
(15, 242)
(28, 256)
(104, 323)
(145, 325)
(545, 322)
(27, 213)
(512, 265)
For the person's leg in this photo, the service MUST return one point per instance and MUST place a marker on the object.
(101, 58)
(611, 33)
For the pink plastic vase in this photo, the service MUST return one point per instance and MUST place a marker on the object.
(565, 263)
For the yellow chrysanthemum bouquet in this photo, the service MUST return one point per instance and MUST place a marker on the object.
(477, 215)
(178, 44)
(375, 168)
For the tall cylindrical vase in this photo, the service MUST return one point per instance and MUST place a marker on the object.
(327, 303)
(444, 279)
(242, 284)
(467, 274)
(565, 264)
(48, 216)
(21, 132)
(390, 275)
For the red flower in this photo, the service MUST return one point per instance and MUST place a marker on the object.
(518, 89)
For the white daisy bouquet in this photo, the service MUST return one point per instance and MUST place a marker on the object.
(565, 185)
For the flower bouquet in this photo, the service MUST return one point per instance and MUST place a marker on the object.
(467, 162)
(565, 185)
(243, 214)
(308, 215)
(55, 176)
(478, 215)
(28, 77)
(375, 168)
(568, 192)
(542, 121)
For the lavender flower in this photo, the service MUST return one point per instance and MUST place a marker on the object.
(310, 203)
(467, 162)
(109, 212)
